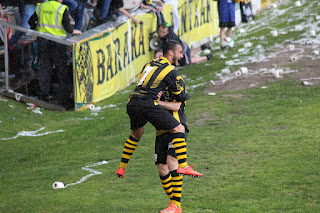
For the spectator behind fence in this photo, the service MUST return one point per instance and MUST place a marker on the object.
(226, 10)
(79, 12)
(108, 10)
(13, 3)
(52, 53)
(72, 4)
(28, 10)
(166, 33)
(155, 6)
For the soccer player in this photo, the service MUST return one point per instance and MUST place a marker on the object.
(165, 156)
(177, 109)
(143, 107)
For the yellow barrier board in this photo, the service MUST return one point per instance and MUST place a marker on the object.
(264, 3)
(107, 63)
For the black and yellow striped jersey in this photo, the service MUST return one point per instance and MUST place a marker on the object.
(180, 114)
(158, 75)
(168, 96)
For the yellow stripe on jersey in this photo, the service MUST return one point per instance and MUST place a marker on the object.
(161, 76)
(176, 115)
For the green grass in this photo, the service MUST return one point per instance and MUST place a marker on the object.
(257, 148)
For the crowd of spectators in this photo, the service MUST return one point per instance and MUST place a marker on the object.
(73, 22)
(97, 11)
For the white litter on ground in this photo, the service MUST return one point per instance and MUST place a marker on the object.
(37, 110)
(87, 168)
(32, 133)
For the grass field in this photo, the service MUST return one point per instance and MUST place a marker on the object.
(258, 149)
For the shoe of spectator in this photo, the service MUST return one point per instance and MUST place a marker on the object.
(189, 171)
(120, 172)
(205, 46)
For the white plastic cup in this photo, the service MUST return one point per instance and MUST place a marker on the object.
(248, 44)
(291, 47)
(225, 71)
(316, 52)
(229, 62)
(273, 5)
(298, 27)
(276, 74)
(312, 32)
(242, 30)
(206, 51)
(244, 70)
(293, 58)
(306, 83)
(212, 82)
(297, 3)
(274, 33)
(90, 106)
(57, 185)
(272, 70)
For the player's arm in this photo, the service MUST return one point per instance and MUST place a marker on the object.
(168, 105)
(172, 106)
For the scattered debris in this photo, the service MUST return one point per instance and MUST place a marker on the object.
(306, 83)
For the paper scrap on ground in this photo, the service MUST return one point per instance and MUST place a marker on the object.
(87, 168)
(32, 133)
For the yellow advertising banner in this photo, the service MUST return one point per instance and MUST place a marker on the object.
(110, 61)
(199, 20)
(264, 3)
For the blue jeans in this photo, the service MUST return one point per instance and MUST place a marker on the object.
(79, 14)
(72, 4)
(28, 11)
(105, 8)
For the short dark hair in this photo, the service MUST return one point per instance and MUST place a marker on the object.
(170, 45)
(158, 50)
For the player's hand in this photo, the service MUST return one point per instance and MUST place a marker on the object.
(159, 94)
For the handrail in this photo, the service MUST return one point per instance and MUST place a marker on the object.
(67, 41)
